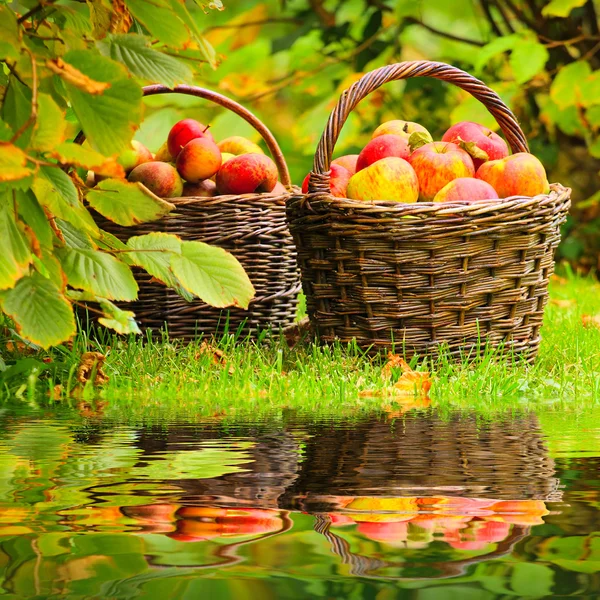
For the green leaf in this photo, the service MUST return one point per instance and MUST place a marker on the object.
(10, 41)
(498, 46)
(98, 272)
(561, 8)
(127, 203)
(32, 213)
(473, 149)
(16, 255)
(527, 59)
(122, 321)
(532, 580)
(100, 15)
(56, 192)
(50, 125)
(41, 312)
(135, 53)
(16, 109)
(212, 274)
(50, 268)
(75, 237)
(86, 158)
(13, 163)
(418, 139)
(590, 90)
(110, 118)
(564, 90)
(159, 19)
(5, 132)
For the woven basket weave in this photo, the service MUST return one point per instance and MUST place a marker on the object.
(250, 226)
(425, 275)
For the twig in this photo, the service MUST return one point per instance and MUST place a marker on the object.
(11, 68)
(592, 17)
(591, 52)
(445, 34)
(290, 20)
(488, 14)
(35, 10)
(34, 100)
(504, 16)
(327, 18)
(574, 40)
(521, 15)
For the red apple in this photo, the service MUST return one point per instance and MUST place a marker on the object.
(438, 163)
(183, 132)
(380, 147)
(348, 161)
(390, 178)
(199, 159)
(279, 189)
(246, 174)
(485, 139)
(339, 179)
(202, 189)
(465, 189)
(160, 178)
(520, 174)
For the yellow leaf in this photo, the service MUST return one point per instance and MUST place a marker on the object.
(76, 78)
(76, 155)
(591, 321)
(13, 163)
(238, 29)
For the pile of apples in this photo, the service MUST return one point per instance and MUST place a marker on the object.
(402, 163)
(192, 163)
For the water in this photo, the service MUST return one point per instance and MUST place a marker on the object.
(421, 506)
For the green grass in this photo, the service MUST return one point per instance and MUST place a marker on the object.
(255, 377)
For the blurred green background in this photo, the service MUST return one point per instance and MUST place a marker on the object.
(288, 61)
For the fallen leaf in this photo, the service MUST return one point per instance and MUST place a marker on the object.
(591, 321)
(562, 303)
(69, 74)
(558, 279)
(57, 392)
(297, 332)
(91, 364)
(218, 356)
(411, 383)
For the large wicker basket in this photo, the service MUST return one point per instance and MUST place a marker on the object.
(424, 276)
(250, 226)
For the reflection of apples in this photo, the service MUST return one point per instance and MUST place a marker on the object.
(438, 163)
(479, 535)
(388, 179)
(466, 189)
(397, 127)
(338, 180)
(485, 139)
(347, 161)
(404, 509)
(520, 512)
(154, 518)
(520, 174)
(380, 147)
(384, 532)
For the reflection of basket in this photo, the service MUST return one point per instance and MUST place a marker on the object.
(251, 226)
(427, 273)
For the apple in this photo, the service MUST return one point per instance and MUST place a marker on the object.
(183, 132)
(246, 174)
(382, 146)
(136, 155)
(520, 174)
(199, 159)
(438, 163)
(279, 189)
(465, 189)
(390, 178)
(163, 154)
(203, 189)
(225, 156)
(347, 161)
(237, 145)
(397, 127)
(484, 139)
(160, 178)
(338, 180)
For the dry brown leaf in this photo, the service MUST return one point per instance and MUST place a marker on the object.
(91, 363)
(591, 321)
(562, 303)
(297, 332)
(218, 356)
(57, 392)
(120, 19)
(410, 384)
(91, 409)
(558, 279)
(69, 74)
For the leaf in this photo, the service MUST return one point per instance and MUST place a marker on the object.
(74, 77)
(16, 109)
(418, 139)
(50, 126)
(411, 383)
(127, 203)
(109, 119)
(13, 163)
(564, 90)
(16, 255)
(135, 53)
(5, 132)
(90, 365)
(562, 303)
(527, 59)
(212, 274)
(561, 8)
(498, 46)
(75, 237)
(33, 214)
(591, 321)
(590, 90)
(159, 19)
(122, 321)
(473, 149)
(86, 158)
(42, 314)
(57, 193)
(10, 41)
(98, 272)
(100, 16)
(470, 109)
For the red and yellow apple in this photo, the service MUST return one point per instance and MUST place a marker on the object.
(237, 145)
(390, 178)
(136, 155)
(279, 189)
(199, 159)
(382, 146)
(185, 131)
(485, 139)
(465, 189)
(202, 189)
(246, 174)
(338, 181)
(160, 178)
(348, 161)
(398, 127)
(438, 163)
(520, 174)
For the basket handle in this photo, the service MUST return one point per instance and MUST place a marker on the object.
(319, 177)
(238, 109)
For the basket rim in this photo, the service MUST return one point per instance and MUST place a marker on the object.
(251, 199)
(558, 195)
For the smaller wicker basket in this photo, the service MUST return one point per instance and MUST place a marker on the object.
(250, 226)
(425, 275)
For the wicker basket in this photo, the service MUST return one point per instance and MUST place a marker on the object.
(250, 226)
(425, 275)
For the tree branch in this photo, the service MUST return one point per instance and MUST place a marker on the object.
(36, 9)
(34, 99)
(592, 17)
(488, 14)
(521, 15)
(504, 16)
(444, 34)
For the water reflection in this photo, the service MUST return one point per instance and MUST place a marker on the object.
(146, 510)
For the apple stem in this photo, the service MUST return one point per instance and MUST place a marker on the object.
(206, 129)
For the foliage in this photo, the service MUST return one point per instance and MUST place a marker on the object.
(67, 66)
